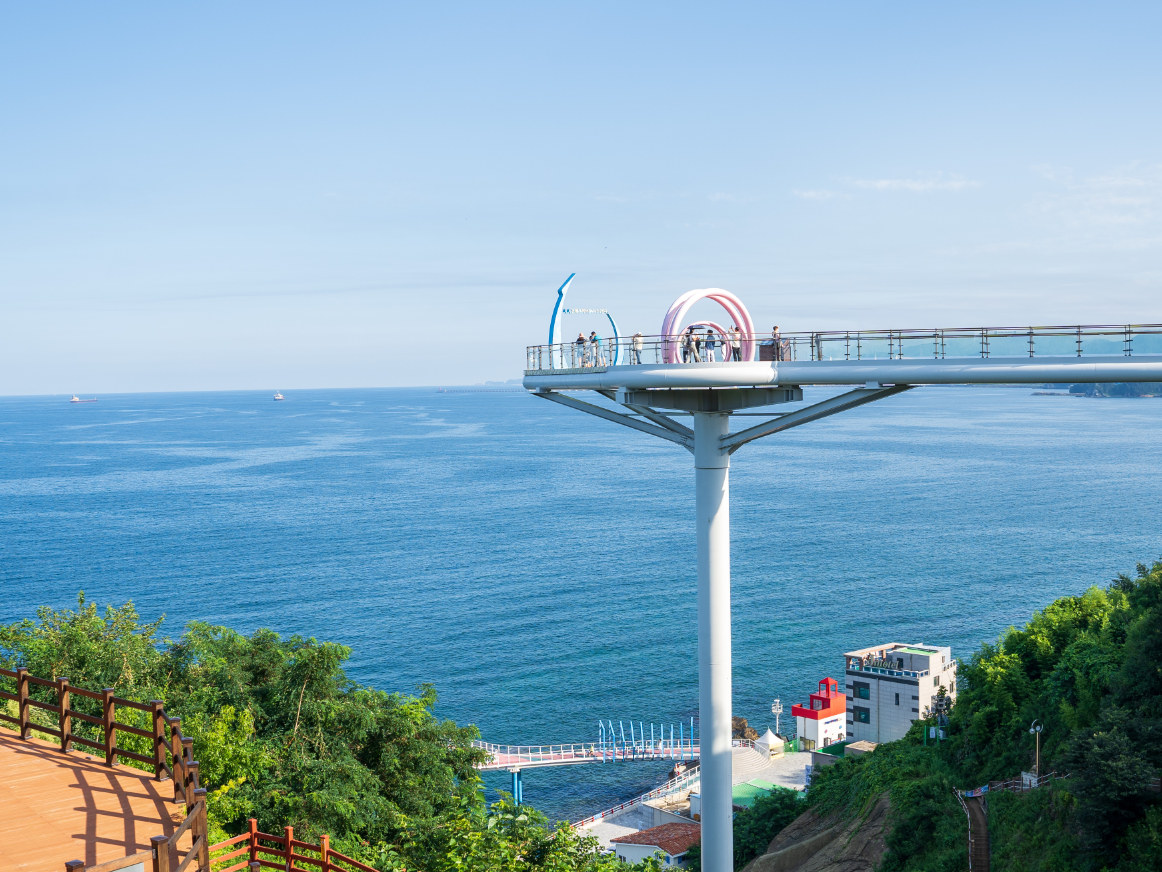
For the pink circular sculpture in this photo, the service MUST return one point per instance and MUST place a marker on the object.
(672, 325)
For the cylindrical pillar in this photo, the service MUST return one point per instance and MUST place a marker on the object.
(712, 495)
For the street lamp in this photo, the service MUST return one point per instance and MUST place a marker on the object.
(1035, 728)
(776, 710)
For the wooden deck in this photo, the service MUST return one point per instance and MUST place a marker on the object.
(57, 807)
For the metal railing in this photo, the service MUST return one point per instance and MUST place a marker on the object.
(1125, 340)
(516, 756)
(674, 785)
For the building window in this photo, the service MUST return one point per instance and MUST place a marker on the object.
(897, 699)
(916, 710)
(861, 690)
(914, 696)
(862, 715)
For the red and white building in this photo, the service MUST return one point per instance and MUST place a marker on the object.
(822, 720)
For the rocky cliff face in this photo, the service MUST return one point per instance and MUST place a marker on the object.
(828, 844)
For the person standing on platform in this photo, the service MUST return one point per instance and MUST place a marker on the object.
(635, 351)
(579, 350)
(598, 355)
(780, 343)
(711, 345)
(696, 344)
(735, 343)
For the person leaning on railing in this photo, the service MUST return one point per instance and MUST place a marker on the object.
(635, 351)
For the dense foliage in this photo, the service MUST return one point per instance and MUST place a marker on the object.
(283, 736)
(1090, 669)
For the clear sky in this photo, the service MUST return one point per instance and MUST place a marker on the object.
(289, 195)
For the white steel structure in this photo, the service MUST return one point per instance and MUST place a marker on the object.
(650, 394)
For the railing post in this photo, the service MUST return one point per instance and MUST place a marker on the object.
(288, 838)
(1030, 342)
(187, 759)
(177, 764)
(74, 866)
(192, 786)
(325, 852)
(1079, 341)
(252, 831)
(22, 701)
(160, 845)
(66, 716)
(159, 768)
(201, 828)
(108, 711)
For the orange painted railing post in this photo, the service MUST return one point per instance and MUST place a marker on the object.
(160, 845)
(110, 726)
(253, 833)
(22, 701)
(325, 852)
(66, 716)
(158, 713)
(288, 839)
(178, 765)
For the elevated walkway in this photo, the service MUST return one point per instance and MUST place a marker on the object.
(977, 355)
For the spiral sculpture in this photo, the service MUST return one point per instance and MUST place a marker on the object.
(672, 325)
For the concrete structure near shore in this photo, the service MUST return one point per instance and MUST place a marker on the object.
(889, 687)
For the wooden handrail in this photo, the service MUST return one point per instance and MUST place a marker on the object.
(282, 854)
(172, 757)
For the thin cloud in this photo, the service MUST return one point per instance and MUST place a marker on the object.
(919, 185)
(816, 194)
(1129, 195)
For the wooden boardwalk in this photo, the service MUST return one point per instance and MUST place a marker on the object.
(57, 807)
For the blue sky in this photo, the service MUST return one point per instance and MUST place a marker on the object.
(286, 195)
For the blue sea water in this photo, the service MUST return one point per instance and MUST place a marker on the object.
(538, 565)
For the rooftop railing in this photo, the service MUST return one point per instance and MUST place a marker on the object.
(1127, 340)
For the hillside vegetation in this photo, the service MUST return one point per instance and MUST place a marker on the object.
(1090, 669)
(283, 736)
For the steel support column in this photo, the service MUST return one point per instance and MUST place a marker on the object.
(712, 499)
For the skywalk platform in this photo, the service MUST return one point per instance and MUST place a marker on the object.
(57, 807)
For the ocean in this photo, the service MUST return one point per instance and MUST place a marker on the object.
(537, 565)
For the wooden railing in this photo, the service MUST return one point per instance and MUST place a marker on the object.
(254, 850)
(171, 756)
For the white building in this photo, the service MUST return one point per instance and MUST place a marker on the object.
(669, 841)
(890, 686)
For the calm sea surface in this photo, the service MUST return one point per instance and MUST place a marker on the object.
(538, 565)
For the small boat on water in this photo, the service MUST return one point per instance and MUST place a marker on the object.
(278, 395)
(77, 399)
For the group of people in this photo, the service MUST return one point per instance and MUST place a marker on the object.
(587, 351)
(696, 346)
